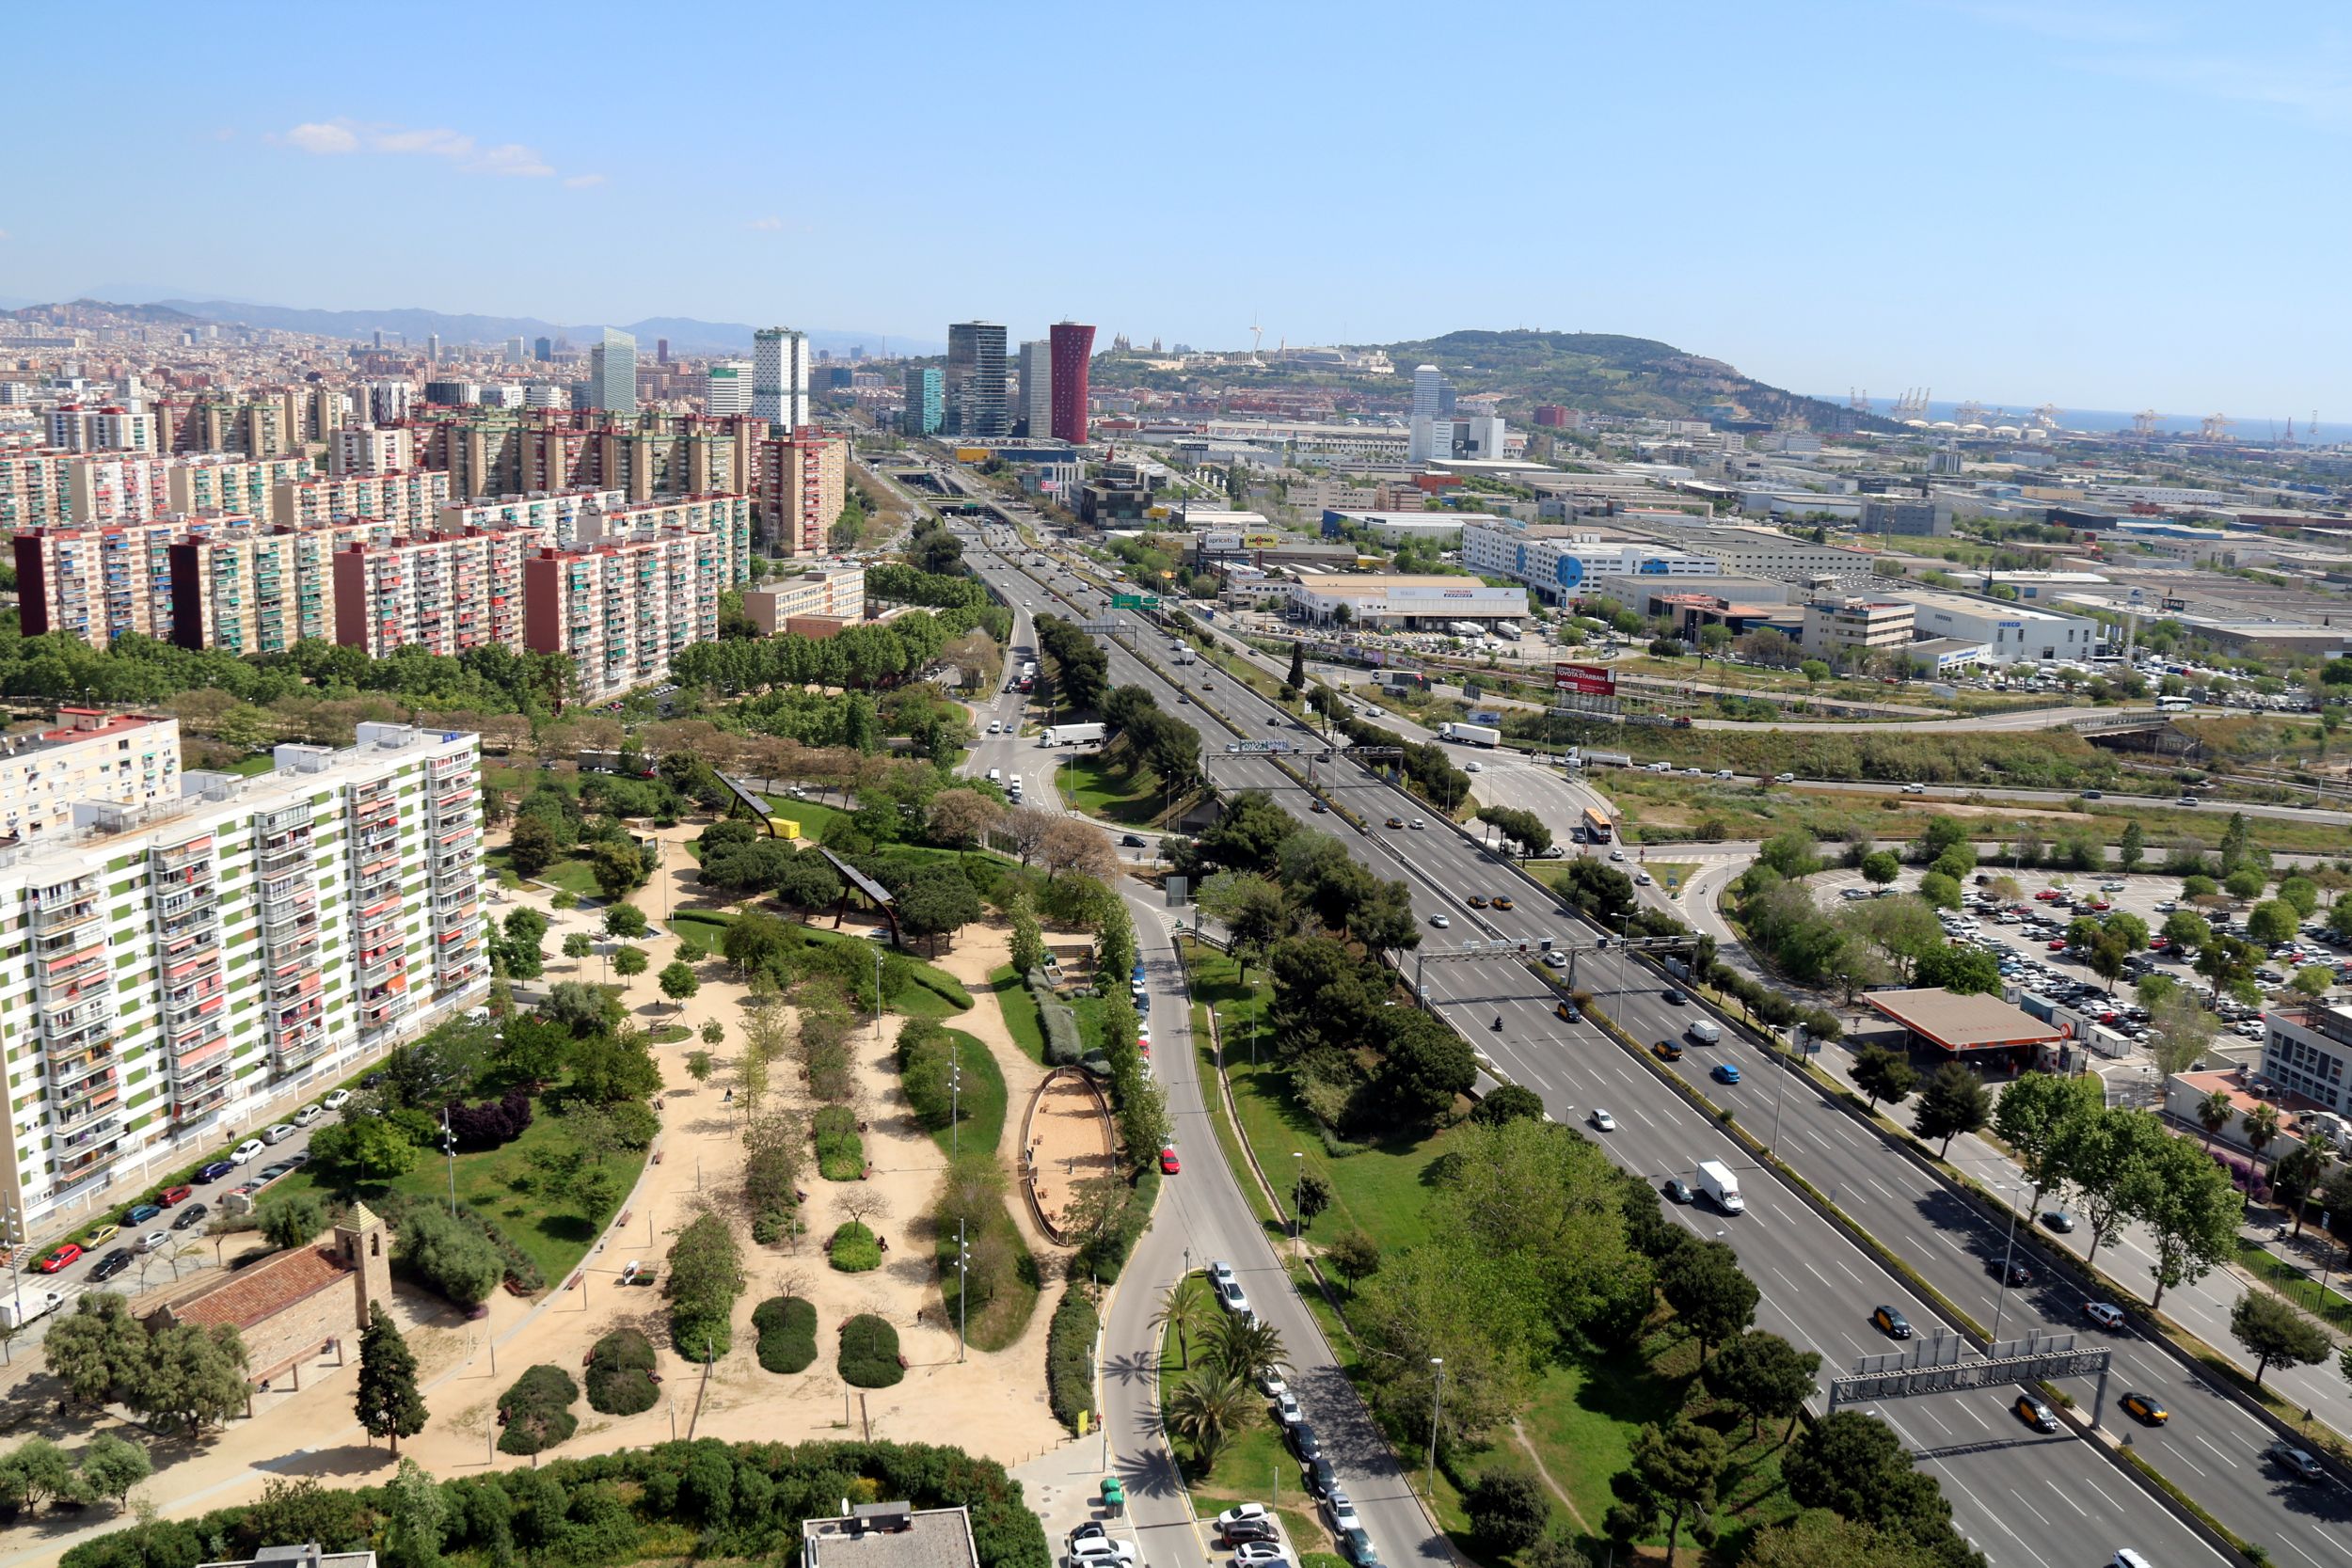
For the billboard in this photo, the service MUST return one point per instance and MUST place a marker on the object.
(1261, 541)
(1586, 680)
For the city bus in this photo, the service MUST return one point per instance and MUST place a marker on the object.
(1596, 827)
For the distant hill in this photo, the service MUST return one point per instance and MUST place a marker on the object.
(1599, 372)
(687, 335)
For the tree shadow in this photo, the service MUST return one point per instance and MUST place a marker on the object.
(570, 1230)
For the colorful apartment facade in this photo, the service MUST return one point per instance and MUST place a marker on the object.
(169, 971)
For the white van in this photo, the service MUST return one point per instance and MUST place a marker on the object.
(992, 775)
(2126, 1557)
(1705, 1032)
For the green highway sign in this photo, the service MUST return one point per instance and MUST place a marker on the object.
(1134, 601)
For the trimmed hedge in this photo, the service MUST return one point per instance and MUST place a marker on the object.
(870, 1353)
(854, 1249)
(536, 1412)
(698, 1500)
(1064, 1045)
(1069, 1343)
(787, 1332)
(620, 1373)
(840, 1152)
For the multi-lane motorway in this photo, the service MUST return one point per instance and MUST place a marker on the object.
(2022, 1498)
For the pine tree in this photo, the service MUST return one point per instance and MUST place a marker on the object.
(388, 1404)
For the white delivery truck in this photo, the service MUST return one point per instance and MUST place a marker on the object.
(1471, 734)
(1716, 1182)
(39, 1304)
(1508, 631)
(1070, 735)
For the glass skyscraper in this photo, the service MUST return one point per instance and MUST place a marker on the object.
(612, 373)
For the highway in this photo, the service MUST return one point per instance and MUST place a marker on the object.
(2020, 1496)
(1203, 1215)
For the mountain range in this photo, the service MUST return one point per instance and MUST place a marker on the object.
(687, 334)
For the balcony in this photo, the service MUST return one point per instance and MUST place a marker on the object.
(65, 1073)
(78, 1108)
(190, 1104)
(56, 920)
(91, 1161)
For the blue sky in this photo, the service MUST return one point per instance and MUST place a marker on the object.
(2100, 205)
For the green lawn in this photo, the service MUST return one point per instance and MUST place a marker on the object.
(816, 819)
(1380, 1189)
(930, 993)
(705, 928)
(1000, 1323)
(494, 1184)
(2294, 1284)
(1021, 1015)
(1100, 791)
(1253, 1465)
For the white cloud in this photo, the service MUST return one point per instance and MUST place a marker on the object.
(767, 225)
(583, 181)
(506, 159)
(323, 138)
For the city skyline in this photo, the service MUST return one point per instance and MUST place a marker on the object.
(1987, 198)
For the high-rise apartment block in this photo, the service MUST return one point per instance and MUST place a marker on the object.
(175, 969)
(727, 387)
(620, 609)
(925, 400)
(803, 484)
(106, 428)
(780, 376)
(371, 449)
(1036, 365)
(128, 758)
(410, 499)
(612, 373)
(1074, 352)
(976, 381)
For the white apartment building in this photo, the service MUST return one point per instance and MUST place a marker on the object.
(780, 376)
(88, 754)
(372, 449)
(1556, 560)
(171, 973)
(106, 428)
(2306, 1050)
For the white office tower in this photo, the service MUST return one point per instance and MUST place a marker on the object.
(727, 386)
(433, 348)
(612, 373)
(1429, 392)
(514, 351)
(1037, 386)
(780, 376)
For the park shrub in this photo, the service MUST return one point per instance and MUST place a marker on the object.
(1069, 1344)
(620, 1373)
(491, 1123)
(854, 1249)
(927, 1056)
(1063, 1044)
(787, 1332)
(615, 1507)
(870, 1353)
(1104, 1254)
(448, 1255)
(536, 1412)
(840, 1152)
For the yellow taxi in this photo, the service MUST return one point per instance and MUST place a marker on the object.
(2145, 1409)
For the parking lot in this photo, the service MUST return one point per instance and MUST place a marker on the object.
(2033, 953)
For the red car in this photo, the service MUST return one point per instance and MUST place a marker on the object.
(171, 1198)
(64, 1258)
(2101, 904)
(1169, 1164)
(2058, 944)
(2048, 895)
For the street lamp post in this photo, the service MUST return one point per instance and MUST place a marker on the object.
(955, 1111)
(1437, 1408)
(878, 996)
(2001, 1301)
(963, 1294)
(449, 1146)
(1299, 1185)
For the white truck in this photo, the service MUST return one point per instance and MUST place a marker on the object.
(1070, 735)
(1471, 734)
(1507, 631)
(1183, 654)
(1466, 628)
(1717, 1182)
(15, 1311)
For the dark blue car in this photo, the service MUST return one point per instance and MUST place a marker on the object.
(215, 1171)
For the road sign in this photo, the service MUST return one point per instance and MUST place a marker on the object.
(1134, 601)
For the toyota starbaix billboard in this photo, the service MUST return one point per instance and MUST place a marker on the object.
(1585, 680)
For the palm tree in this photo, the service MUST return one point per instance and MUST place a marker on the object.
(1181, 1309)
(1208, 1410)
(1243, 1345)
(2214, 1113)
(2263, 1127)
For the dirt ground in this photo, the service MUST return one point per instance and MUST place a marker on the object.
(994, 1403)
(1070, 1143)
